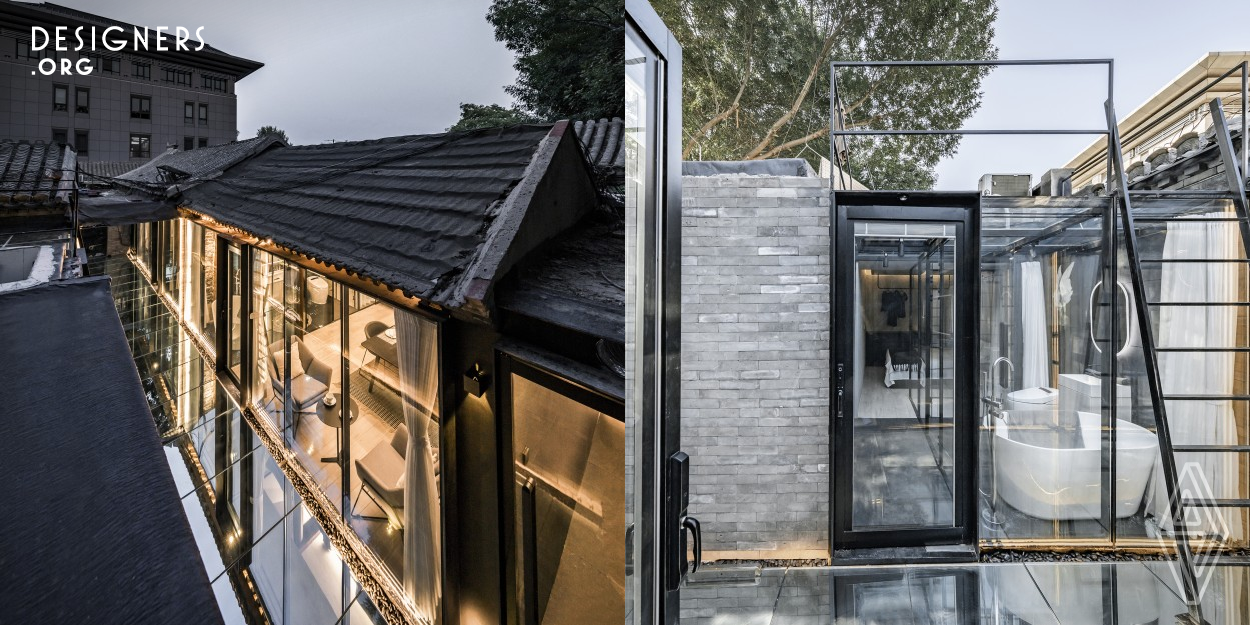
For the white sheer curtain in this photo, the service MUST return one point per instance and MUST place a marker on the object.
(417, 343)
(1200, 373)
(1036, 365)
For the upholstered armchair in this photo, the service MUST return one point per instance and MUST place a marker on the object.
(381, 473)
(310, 378)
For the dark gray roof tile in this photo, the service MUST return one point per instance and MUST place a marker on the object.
(31, 175)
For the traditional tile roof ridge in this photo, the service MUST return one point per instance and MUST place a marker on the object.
(602, 140)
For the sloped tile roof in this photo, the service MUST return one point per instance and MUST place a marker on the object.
(411, 212)
(175, 166)
(92, 172)
(31, 175)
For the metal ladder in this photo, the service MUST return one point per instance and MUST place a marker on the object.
(1181, 506)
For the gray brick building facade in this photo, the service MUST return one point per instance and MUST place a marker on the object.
(755, 363)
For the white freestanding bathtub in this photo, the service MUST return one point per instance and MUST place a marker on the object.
(1048, 464)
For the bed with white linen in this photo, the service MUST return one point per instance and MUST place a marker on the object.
(907, 368)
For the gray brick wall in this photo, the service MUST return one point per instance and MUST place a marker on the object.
(755, 361)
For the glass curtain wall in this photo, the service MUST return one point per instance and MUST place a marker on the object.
(143, 244)
(394, 472)
(314, 390)
(1063, 462)
(263, 543)
(268, 337)
(312, 339)
(1044, 426)
(200, 272)
(233, 274)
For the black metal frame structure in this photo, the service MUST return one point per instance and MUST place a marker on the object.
(1123, 205)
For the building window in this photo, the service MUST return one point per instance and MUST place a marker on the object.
(176, 76)
(141, 70)
(59, 135)
(82, 100)
(213, 83)
(203, 142)
(140, 107)
(24, 51)
(60, 98)
(140, 146)
(203, 113)
(188, 144)
(188, 112)
(81, 142)
(108, 65)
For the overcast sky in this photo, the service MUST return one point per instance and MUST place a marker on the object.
(1152, 42)
(343, 70)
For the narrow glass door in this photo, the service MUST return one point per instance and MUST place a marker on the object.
(902, 426)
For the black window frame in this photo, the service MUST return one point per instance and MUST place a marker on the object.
(82, 142)
(176, 76)
(143, 112)
(188, 144)
(63, 107)
(30, 53)
(64, 135)
(188, 113)
(139, 69)
(214, 83)
(203, 113)
(79, 106)
(202, 142)
(144, 139)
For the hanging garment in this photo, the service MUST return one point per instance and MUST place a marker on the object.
(894, 305)
(1063, 294)
(1036, 369)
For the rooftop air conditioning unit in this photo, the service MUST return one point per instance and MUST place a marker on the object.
(1010, 185)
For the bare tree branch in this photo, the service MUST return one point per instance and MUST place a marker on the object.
(798, 100)
(706, 129)
(795, 143)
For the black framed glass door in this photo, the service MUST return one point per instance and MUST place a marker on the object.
(904, 355)
(656, 494)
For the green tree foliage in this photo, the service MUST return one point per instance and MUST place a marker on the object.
(569, 55)
(273, 131)
(756, 79)
(473, 116)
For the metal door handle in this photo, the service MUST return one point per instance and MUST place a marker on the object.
(841, 388)
(692, 524)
